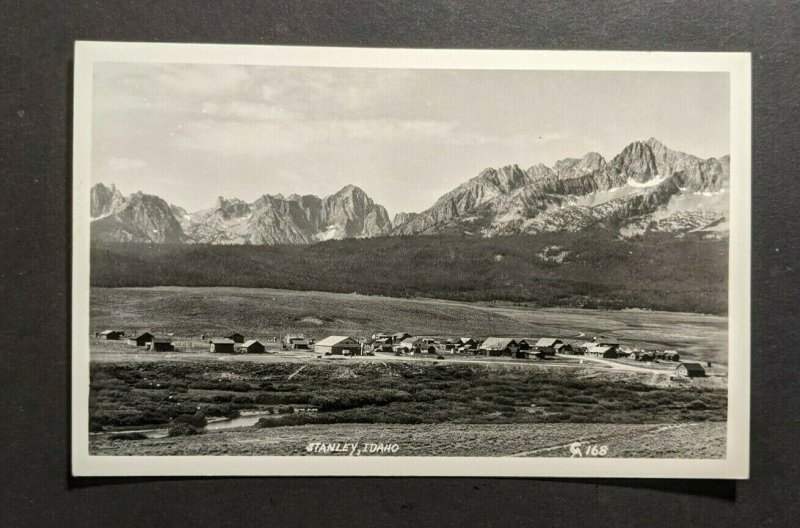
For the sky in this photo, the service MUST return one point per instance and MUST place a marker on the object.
(192, 132)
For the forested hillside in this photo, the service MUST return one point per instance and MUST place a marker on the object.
(593, 269)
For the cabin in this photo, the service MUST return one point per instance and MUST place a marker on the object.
(468, 342)
(296, 342)
(499, 346)
(449, 344)
(602, 351)
(338, 346)
(690, 370)
(671, 355)
(111, 335)
(222, 345)
(584, 347)
(236, 337)
(252, 346)
(141, 339)
(607, 341)
(566, 348)
(645, 356)
(160, 344)
(399, 336)
(382, 344)
(546, 345)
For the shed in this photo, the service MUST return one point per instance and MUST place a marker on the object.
(566, 348)
(160, 344)
(602, 351)
(222, 345)
(236, 337)
(499, 346)
(252, 346)
(111, 335)
(338, 345)
(141, 339)
(690, 370)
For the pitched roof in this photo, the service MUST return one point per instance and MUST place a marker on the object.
(546, 342)
(692, 367)
(251, 342)
(465, 339)
(411, 341)
(143, 334)
(588, 344)
(106, 332)
(333, 340)
(607, 341)
(162, 340)
(600, 349)
(498, 343)
(221, 341)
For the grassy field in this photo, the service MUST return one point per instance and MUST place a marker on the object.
(686, 440)
(267, 313)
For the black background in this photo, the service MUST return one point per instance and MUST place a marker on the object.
(35, 100)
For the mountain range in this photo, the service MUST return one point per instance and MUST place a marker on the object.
(645, 188)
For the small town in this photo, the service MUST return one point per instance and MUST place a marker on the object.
(405, 344)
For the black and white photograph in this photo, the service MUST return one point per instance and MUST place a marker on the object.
(344, 261)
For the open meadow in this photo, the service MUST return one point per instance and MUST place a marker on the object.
(267, 313)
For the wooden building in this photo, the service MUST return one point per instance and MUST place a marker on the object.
(141, 339)
(399, 336)
(671, 355)
(546, 345)
(499, 346)
(222, 345)
(690, 370)
(236, 337)
(296, 342)
(252, 346)
(602, 351)
(338, 345)
(160, 344)
(111, 335)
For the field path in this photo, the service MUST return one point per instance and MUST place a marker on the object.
(599, 438)
(621, 366)
(296, 372)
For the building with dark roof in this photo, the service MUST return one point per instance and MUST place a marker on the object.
(222, 345)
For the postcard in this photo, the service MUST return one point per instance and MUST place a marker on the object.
(407, 262)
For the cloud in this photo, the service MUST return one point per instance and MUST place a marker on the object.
(203, 80)
(245, 110)
(125, 164)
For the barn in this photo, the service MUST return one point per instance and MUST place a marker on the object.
(111, 335)
(141, 339)
(546, 345)
(296, 342)
(252, 346)
(222, 345)
(160, 344)
(602, 351)
(236, 337)
(338, 345)
(690, 370)
(499, 346)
